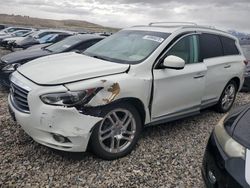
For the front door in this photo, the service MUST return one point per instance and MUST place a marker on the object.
(179, 92)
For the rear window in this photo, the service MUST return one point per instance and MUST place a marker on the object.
(229, 46)
(210, 46)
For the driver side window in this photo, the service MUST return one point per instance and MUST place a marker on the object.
(187, 48)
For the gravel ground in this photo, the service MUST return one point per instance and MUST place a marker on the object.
(167, 155)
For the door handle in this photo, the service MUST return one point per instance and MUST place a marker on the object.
(199, 76)
(227, 66)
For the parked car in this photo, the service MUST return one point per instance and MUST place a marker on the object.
(226, 161)
(140, 76)
(15, 34)
(2, 27)
(9, 30)
(20, 33)
(246, 51)
(13, 60)
(43, 36)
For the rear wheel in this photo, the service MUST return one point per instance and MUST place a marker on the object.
(116, 135)
(227, 97)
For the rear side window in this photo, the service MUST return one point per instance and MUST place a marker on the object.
(210, 46)
(229, 46)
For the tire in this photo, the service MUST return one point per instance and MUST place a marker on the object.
(112, 138)
(220, 106)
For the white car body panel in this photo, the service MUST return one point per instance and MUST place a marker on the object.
(248, 166)
(74, 72)
(46, 119)
(223, 72)
(169, 98)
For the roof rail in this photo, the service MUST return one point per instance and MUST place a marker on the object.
(172, 24)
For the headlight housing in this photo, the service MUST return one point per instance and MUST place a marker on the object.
(11, 67)
(70, 98)
(228, 144)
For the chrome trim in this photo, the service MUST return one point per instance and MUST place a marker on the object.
(19, 83)
(16, 107)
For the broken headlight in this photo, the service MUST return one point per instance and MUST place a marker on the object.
(231, 147)
(69, 98)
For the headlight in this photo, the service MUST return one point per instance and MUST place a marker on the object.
(228, 144)
(70, 98)
(11, 67)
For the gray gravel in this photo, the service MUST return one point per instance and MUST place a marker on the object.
(167, 155)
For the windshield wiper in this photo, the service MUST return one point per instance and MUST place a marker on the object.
(100, 57)
(46, 49)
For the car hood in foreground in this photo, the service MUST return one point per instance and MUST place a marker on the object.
(237, 125)
(24, 55)
(68, 67)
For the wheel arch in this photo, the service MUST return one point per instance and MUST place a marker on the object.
(237, 81)
(137, 103)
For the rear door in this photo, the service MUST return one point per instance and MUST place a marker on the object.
(217, 67)
(179, 92)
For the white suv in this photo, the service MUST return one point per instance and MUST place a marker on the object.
(140, 76)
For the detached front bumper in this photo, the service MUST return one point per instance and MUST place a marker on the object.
(49, 125)
(219, 170)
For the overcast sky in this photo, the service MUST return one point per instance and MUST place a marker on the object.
(225, 14)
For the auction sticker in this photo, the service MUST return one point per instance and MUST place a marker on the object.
(153, 38)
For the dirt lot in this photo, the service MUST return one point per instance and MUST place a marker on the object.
(167, 155)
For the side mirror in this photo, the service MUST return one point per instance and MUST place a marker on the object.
(174, 62)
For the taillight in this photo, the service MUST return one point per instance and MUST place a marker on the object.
(246, 62)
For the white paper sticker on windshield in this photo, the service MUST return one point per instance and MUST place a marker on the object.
(153, 38)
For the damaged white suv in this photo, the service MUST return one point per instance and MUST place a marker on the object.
(138, 77)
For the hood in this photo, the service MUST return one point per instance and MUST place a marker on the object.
(24, 55)
(5, 36)
(39, 46)
(13, 39)
(68, 67)
(27, 40)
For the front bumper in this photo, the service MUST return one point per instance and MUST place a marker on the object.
(228, 172)
(44, 121)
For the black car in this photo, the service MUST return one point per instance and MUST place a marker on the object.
(226, 161)
(76, 43)
(2, 27)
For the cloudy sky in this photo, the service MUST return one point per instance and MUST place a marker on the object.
(225, 14)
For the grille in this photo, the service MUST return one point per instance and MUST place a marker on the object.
(19, 98)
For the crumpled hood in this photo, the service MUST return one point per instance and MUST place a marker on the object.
(24, 55)
(68, 67)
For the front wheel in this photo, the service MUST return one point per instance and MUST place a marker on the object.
(227, 97)
(116, 135)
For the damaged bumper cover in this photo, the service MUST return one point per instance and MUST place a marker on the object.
(57, 127)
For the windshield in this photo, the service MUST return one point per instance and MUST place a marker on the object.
(20, 33)
(127, 46)
(47, 38)
(64, 44)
